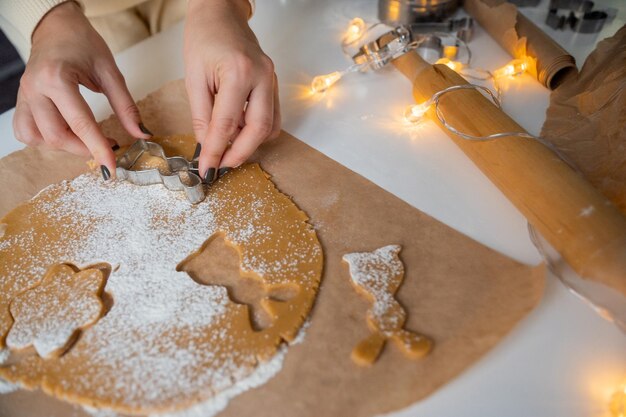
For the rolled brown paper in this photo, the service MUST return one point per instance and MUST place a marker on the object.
(549, 63)
(579, 222)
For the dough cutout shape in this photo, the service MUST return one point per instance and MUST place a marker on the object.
(378, 275)
(51, 315)
(168, 342)
(222, 258)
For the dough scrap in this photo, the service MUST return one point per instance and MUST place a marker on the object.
(167, 342)
(378, 275)
(147, 161)
(50, 315)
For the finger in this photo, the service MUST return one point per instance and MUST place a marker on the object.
(55, 131)
(201, 103)
(24, 125)
(276, 126)
(80, 119)
(115, 89)
(223, 128)
(259, 125)
(113, 144)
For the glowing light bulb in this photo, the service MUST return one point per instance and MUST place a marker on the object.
(416, 112)
(450, 51)
(322, 83)
(355, 30)
(618, 403)
(453, 65)
(513, 68)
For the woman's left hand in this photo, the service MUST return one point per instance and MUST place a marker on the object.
(232, 88)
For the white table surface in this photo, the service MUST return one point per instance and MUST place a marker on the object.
(562, 359)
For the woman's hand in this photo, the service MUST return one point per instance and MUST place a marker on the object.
(67, 51)
(231, 85)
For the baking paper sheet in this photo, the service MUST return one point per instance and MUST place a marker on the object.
(586, 119)
(463, 295)
(550, 63)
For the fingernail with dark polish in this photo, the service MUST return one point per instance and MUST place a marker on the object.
(106, 174)
(209, 176)
(196, 153)
(222, 171)
(144, 129)
(115, 147)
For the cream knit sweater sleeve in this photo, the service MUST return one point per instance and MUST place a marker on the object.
(19, 18)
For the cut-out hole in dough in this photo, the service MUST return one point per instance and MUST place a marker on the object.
(284, 292)
(106, 269)
(224, 270)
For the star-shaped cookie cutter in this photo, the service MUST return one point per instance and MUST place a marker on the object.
(184, 174)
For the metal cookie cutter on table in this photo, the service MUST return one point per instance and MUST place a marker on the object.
(175, 181)
(377, 55)
(397, 42)
(578, 15)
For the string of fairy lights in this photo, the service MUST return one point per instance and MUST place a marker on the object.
(357, 29)
(415, 113)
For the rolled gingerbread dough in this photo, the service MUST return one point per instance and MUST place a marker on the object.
(167, 341)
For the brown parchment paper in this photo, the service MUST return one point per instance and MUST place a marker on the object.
(463, 295)
(550, 63)
(586, 119)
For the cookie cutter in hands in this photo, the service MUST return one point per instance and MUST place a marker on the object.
(175, 181)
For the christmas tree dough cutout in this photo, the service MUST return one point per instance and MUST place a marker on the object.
(51, 315)
(378, 275)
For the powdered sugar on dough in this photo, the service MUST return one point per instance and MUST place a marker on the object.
(167, 342)
(100, 413)
(49, 315)
(374, 269)
(373, 272)
(212, 407)
(261, 375)
(378, 275)
(7, 387)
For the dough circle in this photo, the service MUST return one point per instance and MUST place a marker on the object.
(167, 342)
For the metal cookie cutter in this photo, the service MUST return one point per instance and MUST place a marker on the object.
(578, 15)
(178, 166)
(378, 55)
(464, 28)
(394, 12)
(397, 42)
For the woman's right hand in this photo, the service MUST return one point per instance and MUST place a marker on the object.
(50, 111)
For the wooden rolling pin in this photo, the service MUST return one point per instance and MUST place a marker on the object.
(578, 221)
